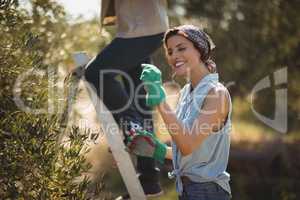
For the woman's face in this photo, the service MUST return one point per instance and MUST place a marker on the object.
(182, 55)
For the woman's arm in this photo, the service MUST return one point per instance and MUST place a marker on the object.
(213, 115)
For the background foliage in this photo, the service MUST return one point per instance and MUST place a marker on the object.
(253, 39)
(33, 166)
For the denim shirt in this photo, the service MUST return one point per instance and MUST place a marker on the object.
(209, 161)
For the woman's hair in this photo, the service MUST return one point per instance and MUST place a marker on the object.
(199, 38)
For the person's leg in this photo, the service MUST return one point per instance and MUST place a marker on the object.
(123, 55)
(149, 173)
(140, 95)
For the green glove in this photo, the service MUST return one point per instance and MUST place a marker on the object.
(143, 143)
(151, 76)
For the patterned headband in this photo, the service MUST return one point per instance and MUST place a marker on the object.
(197, 36)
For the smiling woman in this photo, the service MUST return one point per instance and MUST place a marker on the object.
(201, 126)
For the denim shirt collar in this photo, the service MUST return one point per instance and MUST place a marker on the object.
(213, 77)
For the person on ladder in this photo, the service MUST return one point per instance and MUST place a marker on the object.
(141, 25)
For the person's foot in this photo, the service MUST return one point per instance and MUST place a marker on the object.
(151, 190)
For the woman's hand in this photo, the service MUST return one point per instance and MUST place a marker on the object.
(151, 76)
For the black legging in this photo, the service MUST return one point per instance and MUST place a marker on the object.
(126, 55)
